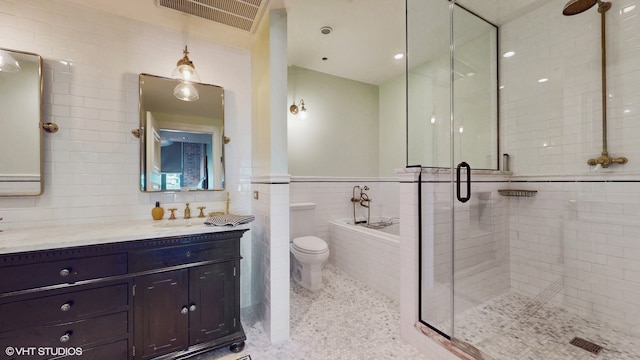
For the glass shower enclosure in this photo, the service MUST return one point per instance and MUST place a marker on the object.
(540, 261)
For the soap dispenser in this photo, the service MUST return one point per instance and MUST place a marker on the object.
(157, 212)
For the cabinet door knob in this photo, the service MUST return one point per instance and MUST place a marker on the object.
(192, 307)
(66, 337)
(65, 272)
(66, 306)
(184, 310)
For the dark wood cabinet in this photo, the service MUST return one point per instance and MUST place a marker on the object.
(213, 295)
(161, 313)
(161, 298)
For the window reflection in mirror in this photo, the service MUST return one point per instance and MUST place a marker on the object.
(181, 142)
(20, 124)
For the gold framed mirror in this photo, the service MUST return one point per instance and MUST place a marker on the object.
(20, 123)
(181, 142)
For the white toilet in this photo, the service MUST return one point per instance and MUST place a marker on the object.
(309, 252)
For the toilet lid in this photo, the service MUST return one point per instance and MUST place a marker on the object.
(310, 244)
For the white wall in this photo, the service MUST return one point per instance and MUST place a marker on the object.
(91, 66)
(392, 143)
(339, 136)
(581, 228)
(553, 128)
(271, 182)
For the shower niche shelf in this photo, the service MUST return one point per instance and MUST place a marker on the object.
(518, 193)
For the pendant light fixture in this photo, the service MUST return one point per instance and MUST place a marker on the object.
(186, 72)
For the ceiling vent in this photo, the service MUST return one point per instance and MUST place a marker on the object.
(240, 14)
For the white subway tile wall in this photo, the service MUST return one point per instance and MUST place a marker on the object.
(368, 255)
(585, 235)
(582, 227)
(270, 238)
(554, 127)
(91, 65)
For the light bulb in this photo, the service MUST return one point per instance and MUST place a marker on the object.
(186, 92)
(186, 73)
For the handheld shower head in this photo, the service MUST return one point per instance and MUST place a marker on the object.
(575, 7)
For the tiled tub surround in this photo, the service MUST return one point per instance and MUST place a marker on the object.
(369, 255)
(355, 254)
(332, 196)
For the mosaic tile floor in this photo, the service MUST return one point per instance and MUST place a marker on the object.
(331, 324)
(513, 326)
(345, 320)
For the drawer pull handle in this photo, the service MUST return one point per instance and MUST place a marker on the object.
(65, 272)
(65, 306)
(192, 307)
(184, 310)
(66, 337)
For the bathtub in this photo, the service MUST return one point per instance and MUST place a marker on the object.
(369, 255)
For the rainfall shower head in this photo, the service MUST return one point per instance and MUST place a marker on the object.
(575, 7)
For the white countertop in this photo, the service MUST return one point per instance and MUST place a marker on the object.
(21, 240)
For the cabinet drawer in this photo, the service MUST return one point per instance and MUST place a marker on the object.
(64, 308)
(60, 272)
(185, 254)
(81, 333)
(116, 350)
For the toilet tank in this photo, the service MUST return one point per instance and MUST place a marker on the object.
(301, 220)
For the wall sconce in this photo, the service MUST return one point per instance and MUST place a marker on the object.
(186, 72)
(295, 109)
(8, 63)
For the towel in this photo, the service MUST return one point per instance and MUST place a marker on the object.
(229, 220)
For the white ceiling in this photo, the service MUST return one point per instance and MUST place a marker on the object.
(366, 33)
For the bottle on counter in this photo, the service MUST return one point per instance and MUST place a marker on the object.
(157, 212)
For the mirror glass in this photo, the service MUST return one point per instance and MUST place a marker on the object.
(181, 142)
(20, 124)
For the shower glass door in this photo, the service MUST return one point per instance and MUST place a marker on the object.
(479, 226)
(429, 145)
(451, 129)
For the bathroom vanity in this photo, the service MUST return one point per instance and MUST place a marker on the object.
(157, 293)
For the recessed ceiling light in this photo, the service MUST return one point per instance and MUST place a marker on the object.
(326, 30)
(543, 80)
(398, 56)
(509, 54)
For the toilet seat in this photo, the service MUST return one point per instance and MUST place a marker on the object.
(310, 245)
